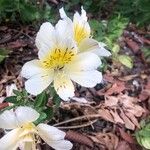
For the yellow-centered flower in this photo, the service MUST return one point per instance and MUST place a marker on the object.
(81, 33)
(59, 62)
(25, 134)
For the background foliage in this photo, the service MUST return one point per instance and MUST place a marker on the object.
(26, 11)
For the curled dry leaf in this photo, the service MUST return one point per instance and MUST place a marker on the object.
(105, 114)
(116, 88)
(122, 109)
(132, 45)
(79, 138)
(109, 140)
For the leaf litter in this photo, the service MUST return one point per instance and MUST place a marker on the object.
(111, 112)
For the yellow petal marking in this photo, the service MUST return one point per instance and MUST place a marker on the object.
(28, 133)
(80, 32)
(58, 58)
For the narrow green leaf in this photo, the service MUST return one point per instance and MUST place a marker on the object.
(126, 60)
(115, 48)
(11, 99)
(42, 118)
(49, 112)
(41, 100)
(18, 93)
(57, 100)
(3, 54)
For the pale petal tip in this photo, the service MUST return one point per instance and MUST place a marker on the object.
(83, 13)
(104, 51)
(62, 13)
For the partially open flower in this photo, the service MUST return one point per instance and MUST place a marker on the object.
(25, 134)
(82, 33)
(59, 62)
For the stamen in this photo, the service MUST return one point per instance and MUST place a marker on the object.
(58, 58)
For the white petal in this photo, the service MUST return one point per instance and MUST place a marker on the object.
(83, 14)
(101, 51)
(50, 133)
(86, 78)
(38, 83)
(94, 46)
(32, 68)
(61, 145)
(81, 17)
(62, 13)
(64, 28)
(88, 44)
(68, 43)
(84, 62)
(45, 38)
(9, 89)
(8, 120)
(26, 114)
(63, 86)
(9, 141)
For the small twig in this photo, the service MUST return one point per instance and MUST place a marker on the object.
(28, 36)
(78, 126)
(78, 118)
(79, 138)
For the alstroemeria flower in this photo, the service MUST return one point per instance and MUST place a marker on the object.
(25, 134)
(59, 62)
(82, 33)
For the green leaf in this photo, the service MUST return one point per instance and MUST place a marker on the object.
(42, 118)
(126, 60)
(115, 48)
(145, 133)
(41, 100)
(3, 54)
(57, 100)
(18, 93)
(11, 99)
(49, 112)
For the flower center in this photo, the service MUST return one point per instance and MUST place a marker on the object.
(28, 131)
(80, 33)
(58, 58)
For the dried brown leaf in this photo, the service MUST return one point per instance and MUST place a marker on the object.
(132, 45)
(133, 119)
(109, 140)
(116, 116)
(116, 88)
(105, 114)
(122, 109)
(123, 145)
(111, 101)
(3, 105)
(128, 123)
(127, 137)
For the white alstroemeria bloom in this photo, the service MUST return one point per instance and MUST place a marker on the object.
(59, 62)
(25, 134)
(82, 33)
